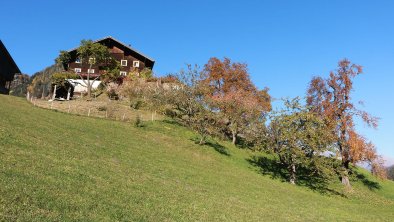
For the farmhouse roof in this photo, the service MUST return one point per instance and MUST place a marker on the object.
(8, 66)
(121, 43)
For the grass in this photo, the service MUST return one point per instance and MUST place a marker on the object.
(61, 167)
(100, 107)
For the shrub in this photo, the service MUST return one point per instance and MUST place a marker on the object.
(102, 108)
(136, 104)
(138, 121)
(112, 91)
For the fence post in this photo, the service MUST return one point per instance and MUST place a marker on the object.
(54, 93)
(68, 93)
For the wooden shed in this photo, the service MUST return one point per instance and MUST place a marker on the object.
(8, 69)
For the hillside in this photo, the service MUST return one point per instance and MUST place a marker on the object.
(40, 82)
(63, 167)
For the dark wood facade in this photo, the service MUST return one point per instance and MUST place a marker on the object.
(130, 59)
(8, 69)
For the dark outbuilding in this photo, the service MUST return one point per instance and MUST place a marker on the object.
(8, 69)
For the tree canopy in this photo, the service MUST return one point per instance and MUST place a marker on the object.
(299, 138)
(231, 92)
(331, 98)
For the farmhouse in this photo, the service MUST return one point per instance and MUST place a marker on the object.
(8, 69)
(130, 59)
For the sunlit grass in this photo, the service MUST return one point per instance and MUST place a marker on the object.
(61, 167)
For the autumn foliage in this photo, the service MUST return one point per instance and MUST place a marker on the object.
(230, 91)
(318, 137)
(331, 98)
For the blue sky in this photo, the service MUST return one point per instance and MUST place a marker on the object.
(285, 43)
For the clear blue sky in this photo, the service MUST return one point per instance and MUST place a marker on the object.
(285, 43)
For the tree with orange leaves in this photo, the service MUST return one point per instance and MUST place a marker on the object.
(331, 98)
(231, 92)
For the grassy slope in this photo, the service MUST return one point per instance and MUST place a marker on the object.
(55, 166)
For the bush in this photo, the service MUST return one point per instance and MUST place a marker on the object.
(59, 77)
(112, 91)
(138, 121)
(146, 73)
(102, 108)
(112, 94)
(136, 104)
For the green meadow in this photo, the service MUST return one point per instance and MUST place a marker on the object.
(60, 167)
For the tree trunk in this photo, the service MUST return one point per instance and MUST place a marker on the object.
(234, 137)
(345, 173)
(43, 92)
(292, 171)
(345, 181)
(88, 85)
(345, 162)
(68, 93)
(202, 140)
(234, 131)
(89, 91)
(54, 93)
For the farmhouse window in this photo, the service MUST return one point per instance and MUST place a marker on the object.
(77, 70)
(136, 63)
(90, 70)
(123, 62)
(123, 73)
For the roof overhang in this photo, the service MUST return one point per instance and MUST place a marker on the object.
(8, 59)
(121, 43)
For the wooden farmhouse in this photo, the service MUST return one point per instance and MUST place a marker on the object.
(129, 58)
(8, 69)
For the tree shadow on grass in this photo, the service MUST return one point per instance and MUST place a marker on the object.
(372, 185)
(215, 145)
(305, 177)
(219, 148)
(270, 167)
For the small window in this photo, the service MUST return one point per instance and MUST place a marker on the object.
(123, 62)
(136, 64)
(78, 60)
(123, 73)
(92, 60)
(90, 70)
(77, 70)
